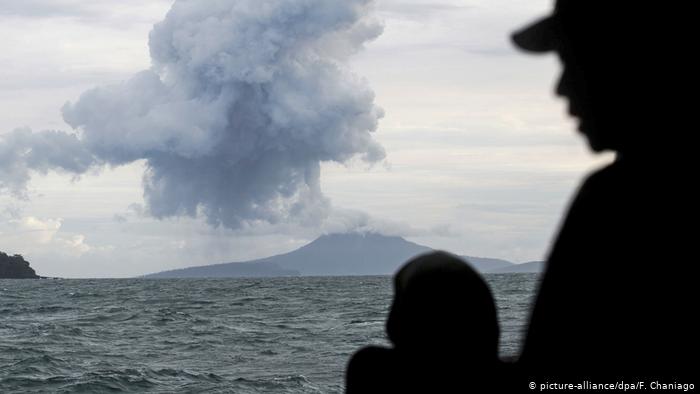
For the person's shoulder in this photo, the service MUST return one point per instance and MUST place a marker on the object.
(368, 370)
(595, 192)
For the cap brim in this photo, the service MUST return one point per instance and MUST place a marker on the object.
(539, 37)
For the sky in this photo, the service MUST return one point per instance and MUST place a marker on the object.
(418, 119)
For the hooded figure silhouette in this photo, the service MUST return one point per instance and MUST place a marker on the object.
(444, 330)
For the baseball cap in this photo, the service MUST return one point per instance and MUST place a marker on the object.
(594, 23)
(539, 37)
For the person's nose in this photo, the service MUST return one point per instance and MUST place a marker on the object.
(563, 85)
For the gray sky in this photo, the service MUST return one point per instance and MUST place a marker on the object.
(480, 156)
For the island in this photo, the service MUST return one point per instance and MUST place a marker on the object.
(15, 267)
(340, 254)
(230, 270)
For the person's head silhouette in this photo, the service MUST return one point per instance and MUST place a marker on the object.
(442, 306)
(620, 74)
(442, 325)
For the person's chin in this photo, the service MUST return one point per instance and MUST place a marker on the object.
(595, 143)
(596, 147)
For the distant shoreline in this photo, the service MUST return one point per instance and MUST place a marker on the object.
(487, 274)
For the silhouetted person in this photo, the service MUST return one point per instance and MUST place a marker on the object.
(444, 331)
(618, 296)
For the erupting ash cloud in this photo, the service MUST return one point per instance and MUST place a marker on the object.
(243, 101)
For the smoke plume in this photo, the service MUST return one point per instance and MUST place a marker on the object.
(242, 103)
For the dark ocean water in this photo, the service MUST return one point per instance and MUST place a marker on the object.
(278, 335)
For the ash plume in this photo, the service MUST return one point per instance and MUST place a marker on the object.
(242, 103)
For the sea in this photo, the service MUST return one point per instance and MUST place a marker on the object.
(267, 335)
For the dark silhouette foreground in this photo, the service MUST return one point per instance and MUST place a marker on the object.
(443, 329)
(618, 298)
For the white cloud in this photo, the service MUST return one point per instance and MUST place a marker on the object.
(34, 230)
(30, 235)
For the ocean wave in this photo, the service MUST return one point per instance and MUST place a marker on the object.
(216, 336)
